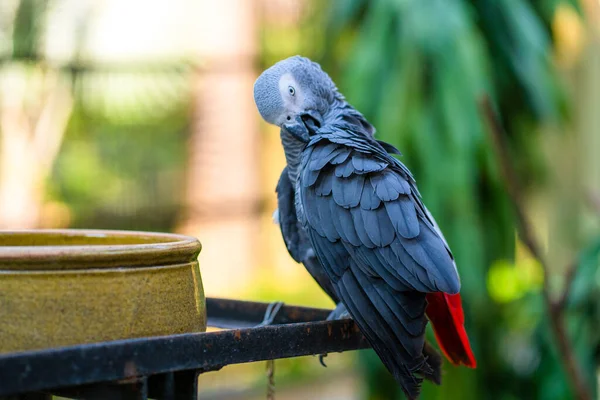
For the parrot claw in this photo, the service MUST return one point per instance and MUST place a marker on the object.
(271, 313)
(322, 359)
(340, 312)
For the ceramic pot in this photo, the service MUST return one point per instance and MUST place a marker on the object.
(68, 287)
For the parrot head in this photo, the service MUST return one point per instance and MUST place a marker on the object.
(296, 95)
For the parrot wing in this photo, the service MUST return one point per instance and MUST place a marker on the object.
(358, 195)
(371, 233)
(297, 244)
(296, 238)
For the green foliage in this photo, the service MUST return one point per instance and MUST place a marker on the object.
(120, 174)
(27, 28)
(418, 70)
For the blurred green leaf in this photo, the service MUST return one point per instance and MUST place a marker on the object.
(586, 283)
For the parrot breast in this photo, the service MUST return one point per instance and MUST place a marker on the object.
(292, 148)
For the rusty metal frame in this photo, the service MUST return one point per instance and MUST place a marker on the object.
(167, 367)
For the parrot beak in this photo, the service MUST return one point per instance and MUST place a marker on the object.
(313, 121)
(304, 125)
(297, 129)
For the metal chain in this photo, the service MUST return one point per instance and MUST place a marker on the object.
(270, 379)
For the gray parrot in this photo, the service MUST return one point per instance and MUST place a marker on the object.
(351, 213)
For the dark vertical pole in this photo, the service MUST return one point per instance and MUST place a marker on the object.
(186, 385)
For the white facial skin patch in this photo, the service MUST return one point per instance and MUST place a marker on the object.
(292, 97)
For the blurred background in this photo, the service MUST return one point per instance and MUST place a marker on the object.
(137, 114)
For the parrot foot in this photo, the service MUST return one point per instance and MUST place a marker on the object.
(271, 313)
(340, 312)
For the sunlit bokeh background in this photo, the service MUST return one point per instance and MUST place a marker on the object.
(137, 114)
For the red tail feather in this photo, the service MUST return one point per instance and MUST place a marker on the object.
(446, 315)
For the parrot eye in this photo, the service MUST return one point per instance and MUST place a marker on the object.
(291, 90)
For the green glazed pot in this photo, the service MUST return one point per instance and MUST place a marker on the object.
(67, 287)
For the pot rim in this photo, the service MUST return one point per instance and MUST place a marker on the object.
(153, 249)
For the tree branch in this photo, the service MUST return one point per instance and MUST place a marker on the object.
(555, 309)
(561, 302)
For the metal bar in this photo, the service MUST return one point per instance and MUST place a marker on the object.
(181, 385)
(162, 386)
(123, 359)
(132, 389)
(34, 396)
(186, 385)
(225, 313)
